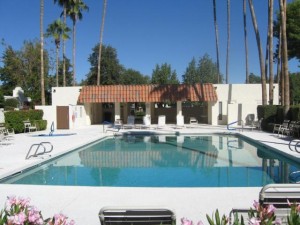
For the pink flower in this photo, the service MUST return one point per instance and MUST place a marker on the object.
(17, 219)
(256, 205)
(278, 221)
(298, 208)
(72, 222)
(271, 209)
(24, 201)
(200, 223)
(11, 200)
(34, 216)
(185, 221)
(254, 221)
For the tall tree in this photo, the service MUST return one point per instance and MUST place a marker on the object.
(217, 37)
(58, 31)
(131, 76)
(228, 41)
(65, 4)
(21, 68)
(285, 69)
(164, 75)
(270, 41)
(292, 28)
(208, 71)
(101, 40)
(42, 52)
(245, 39)
(74, 10)
(260, 53)
(110, 66)
(191, 75)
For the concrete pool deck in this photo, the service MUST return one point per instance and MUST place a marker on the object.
(84, 203)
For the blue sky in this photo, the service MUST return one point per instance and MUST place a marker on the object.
(146, 32)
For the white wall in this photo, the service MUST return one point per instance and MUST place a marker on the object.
(64, 96)
(49, 114)
(238, 101)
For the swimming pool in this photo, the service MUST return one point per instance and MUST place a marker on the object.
(164, 161)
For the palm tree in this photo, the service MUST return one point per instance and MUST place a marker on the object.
(101, 38)
(42, 51)
(217, 38)
(228, 40)
(64, 4)
(285, 72)
(74, 10)
(260, 53)
(58, 31)
(245, 37)
(270, 40)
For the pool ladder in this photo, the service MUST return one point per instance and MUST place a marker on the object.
(297, 144)
(238, 121)
(39, 149)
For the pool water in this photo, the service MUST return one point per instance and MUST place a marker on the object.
(165, 161)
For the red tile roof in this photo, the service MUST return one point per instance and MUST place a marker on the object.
(147, 93)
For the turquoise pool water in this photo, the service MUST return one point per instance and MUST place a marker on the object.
(165, 161)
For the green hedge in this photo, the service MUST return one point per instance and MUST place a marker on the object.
(275, 114)
(14, 119)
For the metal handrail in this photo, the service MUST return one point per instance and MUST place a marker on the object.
(297, 143)
(36, 153)
(229, 124)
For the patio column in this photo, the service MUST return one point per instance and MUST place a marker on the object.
(117, 111)
(179, 108)
(148, 110)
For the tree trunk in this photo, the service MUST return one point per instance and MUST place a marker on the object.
(64, 47)
(100, 44)
(228, 41)
(42, 52)
(246, 43)
(74, 53)
(261, 57)
(270, 35)
(217, 38)
(57, 63)
(285, 71)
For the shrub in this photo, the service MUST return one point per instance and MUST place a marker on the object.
(19, 211)
(11, 104)
(14, 119)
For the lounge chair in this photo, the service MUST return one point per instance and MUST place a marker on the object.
(146, 122)
(279, 195)
(179, 121)
(161, 121)
(289, 130)
(116, 126)
(130, 123)
(193, 120)
(132, 216)
(28, 127)
(279, 127)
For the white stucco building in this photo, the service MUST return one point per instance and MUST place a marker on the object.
(218, 104)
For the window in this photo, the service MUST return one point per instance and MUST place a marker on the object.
(220, 110)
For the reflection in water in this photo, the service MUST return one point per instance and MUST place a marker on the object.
(166, 161)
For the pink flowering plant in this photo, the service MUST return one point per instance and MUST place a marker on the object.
(294, 217)
(18, 211)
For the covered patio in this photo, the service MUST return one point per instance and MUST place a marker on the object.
(113, 102)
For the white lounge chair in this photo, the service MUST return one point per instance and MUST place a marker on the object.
(179, 121)
(139, 215)
(161, 121)
(193, 120)
(130, 123)
(146, 122)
